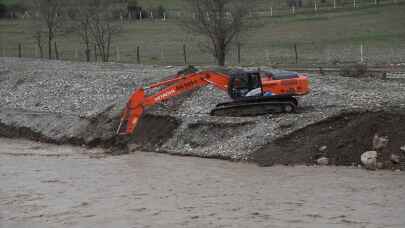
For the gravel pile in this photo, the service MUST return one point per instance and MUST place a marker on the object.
(81, 89)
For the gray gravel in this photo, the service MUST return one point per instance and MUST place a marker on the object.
(82, 89)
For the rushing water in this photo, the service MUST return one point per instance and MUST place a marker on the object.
(44, 185)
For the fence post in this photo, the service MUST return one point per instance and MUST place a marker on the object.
(35, 51)
(185, 54)
(117, 53)
(162, 55)
(56, 51)
(361, 52)
(239, 53)
(164, 16)
(271, 11)
(296, 53)
(138, 55)
(293, 10)
(334, 4)
(2, 46)
(95, 53)
(354, 3)
(19, 50)
(76, 55)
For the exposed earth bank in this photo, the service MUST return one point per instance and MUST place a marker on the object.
(79, 103)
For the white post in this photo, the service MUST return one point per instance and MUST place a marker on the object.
(164, 16)
(315, 5)
(354, 3)
(334, 4)
(140, 15)
(375, 2)
(151, 15)
(293, 10)
(117, 52)
(271, 11)
(361, 53)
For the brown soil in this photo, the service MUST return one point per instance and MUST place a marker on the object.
(153, 131)
(346, 136)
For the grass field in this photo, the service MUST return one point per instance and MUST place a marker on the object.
(325, 37)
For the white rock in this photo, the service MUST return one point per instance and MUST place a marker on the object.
(369, 159)
(322, 161)
(322, 148)
(395, 158)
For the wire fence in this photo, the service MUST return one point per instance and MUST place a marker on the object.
(178, 53)
(296, 7)
(299, 53)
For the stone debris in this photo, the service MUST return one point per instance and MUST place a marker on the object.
(322, 148)
(72, 93)
(369, 159)
(395, 158)
(322, 161)
(379, 142)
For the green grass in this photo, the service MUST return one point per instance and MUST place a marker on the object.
(328, 36)
(8, 2)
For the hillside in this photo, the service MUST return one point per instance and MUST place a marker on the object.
(325, 37)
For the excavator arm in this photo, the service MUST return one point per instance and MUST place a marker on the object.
(138, 101)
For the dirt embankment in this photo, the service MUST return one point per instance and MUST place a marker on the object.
(62, 102)
(345, 137)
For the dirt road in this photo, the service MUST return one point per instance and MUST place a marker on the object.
(44, 185)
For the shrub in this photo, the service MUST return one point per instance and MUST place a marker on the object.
(355, 71)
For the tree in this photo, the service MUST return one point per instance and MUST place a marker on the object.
(220, 21)
(48, 17)
(81, 14)
(95, 22)
(103, 26)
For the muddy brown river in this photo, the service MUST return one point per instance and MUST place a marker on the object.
(43, 185)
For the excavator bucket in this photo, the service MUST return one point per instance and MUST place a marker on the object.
(132, 113)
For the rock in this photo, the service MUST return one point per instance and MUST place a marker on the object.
(322, 148)
(379, 142)
(380, 165)
(395, 158)
(369, 159)
(322, 161)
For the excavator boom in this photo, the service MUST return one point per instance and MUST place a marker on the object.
(237, 87)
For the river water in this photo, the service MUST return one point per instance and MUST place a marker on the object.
(43, 185)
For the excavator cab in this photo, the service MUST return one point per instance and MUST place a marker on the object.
(245, 84)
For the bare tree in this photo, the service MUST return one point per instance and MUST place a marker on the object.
(48, 18)
(103, 24)
(220, 21)
(81, 13)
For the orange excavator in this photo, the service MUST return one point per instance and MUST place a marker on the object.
(253, 93)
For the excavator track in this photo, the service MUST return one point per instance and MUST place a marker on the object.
(256, 106)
